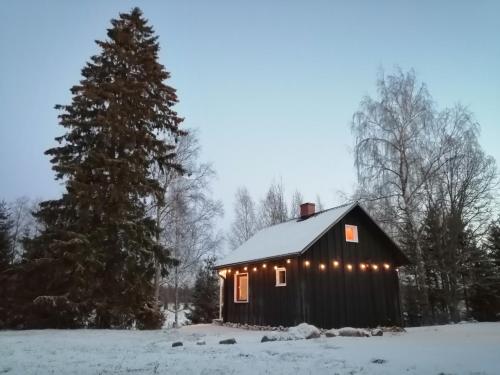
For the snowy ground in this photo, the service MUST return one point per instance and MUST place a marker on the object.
(455, 349)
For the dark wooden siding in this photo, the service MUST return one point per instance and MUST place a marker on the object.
(267, 303)
(333, 297)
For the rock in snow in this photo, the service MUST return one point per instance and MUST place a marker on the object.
(200, 342)
(377, 332)
(177, 343)
(332, 333)
(268, 338)
(305, 331)
(300, 332)
(393, 329)
(228, 341)
(353, 332)
(277, 336)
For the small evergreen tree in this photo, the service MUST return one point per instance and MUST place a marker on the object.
(94, 261)
(433, 239)
(6, 267)
(455, 265)
(6, 255)
(205, 302)
(485, 289)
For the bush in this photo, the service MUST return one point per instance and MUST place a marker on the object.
(205, 303)
(150, 317)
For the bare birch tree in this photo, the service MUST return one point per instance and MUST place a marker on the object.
(297, 200)
(469, 176)
(187, 218)
(273, 207)
(414, 161)
(398, 148)
(244, 225)
(24, 225)
(319, 204)
(462, 195)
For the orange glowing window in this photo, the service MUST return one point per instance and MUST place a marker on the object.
(351, 233)
(241, 287)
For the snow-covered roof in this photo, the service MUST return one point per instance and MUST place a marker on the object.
(289, 238)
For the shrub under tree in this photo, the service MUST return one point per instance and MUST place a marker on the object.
(205, 300)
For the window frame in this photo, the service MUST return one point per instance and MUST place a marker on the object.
(236, 278)
(278, 270)
(355, 231)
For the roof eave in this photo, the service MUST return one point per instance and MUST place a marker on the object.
(287, 255)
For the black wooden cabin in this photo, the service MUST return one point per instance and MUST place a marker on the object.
(334, 268)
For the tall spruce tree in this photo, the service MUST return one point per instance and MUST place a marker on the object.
(205, 303)
(94, 262)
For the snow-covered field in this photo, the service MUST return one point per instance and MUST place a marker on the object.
(455, 349)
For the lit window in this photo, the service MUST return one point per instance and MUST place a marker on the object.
(351, 233)
(241, 287)
(280, 276)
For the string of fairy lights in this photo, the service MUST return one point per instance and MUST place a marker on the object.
(335, 264)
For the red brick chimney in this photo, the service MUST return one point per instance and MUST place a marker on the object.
(307, 209)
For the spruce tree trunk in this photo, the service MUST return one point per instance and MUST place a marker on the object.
(157, 284)
(453, 300)
(157, 264)
(466, 299)
(422, 286)
(176, 302)
(176, 269)
(421, 279)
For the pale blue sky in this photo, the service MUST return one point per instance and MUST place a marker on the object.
(271, 85)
